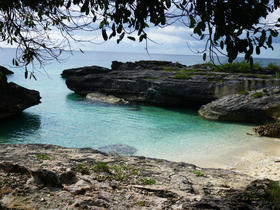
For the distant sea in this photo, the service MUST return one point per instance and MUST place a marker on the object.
(66, 119)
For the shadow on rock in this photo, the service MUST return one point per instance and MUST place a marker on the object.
(22, 125)
(259, 194)
(74, 97)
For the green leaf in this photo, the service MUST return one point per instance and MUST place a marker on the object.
(102, 24)
(85, 6)
(68, 4)
(258, 51)
(131, 38)
(26, 74)
(168, 3)
(204, 56)
(104, 34)
(222, 45)
(192, 21)
(121, 37)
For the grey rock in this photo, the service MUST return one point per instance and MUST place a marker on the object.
(79, 188)
(13, 168)
(99, 97)
(45, 178)
(83, 71)
(156, 83)
(176, 184)
(121, 149)
(270, 130)
(257, 106)
(14, 99)
(140, 65)
(68, 177)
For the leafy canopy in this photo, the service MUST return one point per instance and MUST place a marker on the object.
(228, 27)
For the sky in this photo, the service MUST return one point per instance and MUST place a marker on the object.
(173, 39)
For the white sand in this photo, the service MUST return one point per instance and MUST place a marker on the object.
(259, 160)
(259, 165)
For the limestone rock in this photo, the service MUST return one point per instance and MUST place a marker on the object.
(110, 99)
(13, 168)
(269, 130)
(120, 149)
(256, 106)
(14, 99)
(135, 183)
(46, 178)
(163, 83)
(79, 188)
(156, 65)
(68, 177)
(83, 71)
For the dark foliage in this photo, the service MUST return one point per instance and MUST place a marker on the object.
(229, 27)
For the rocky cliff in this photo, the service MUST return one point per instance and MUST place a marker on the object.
(258, 106)
(14, 99)
(53, 177)
(164, 83)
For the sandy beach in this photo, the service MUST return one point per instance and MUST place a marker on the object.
(259, 165)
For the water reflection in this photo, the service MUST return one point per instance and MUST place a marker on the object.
(74, 97)
(19, 128)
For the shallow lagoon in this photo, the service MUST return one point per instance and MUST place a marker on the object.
(66, 119)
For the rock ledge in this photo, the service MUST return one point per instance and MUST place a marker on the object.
(37, 176)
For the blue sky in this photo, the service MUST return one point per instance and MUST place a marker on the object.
(173, 39)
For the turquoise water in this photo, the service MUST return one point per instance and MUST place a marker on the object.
(66, 119)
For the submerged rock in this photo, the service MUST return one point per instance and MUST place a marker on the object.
(163, 83)
(121, 149)
(106, 98)
(255, 106)
(14, 99)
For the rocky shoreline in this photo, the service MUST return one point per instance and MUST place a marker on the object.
(15, 98)
(163, 83)
(228, 95)
(52, 177)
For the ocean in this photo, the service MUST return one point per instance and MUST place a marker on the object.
(66, 119)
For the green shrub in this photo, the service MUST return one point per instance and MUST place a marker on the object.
(273, 66)
(277, 75)
(42, 156)
(207, 64)
(140, 203)
(82, 168)
(242, 67)
(262, 76)
(182, 75)
(100, 167)
(243, 92)
(169, 68)
(123, 172)
(272, 193)
(198, 173)
(147, 181)
(258, 95)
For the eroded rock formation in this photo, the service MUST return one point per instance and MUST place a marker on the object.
(53, 177)
(255, 107)
(14, 99)
(163, 83)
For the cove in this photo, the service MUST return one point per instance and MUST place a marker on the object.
(66, 119)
